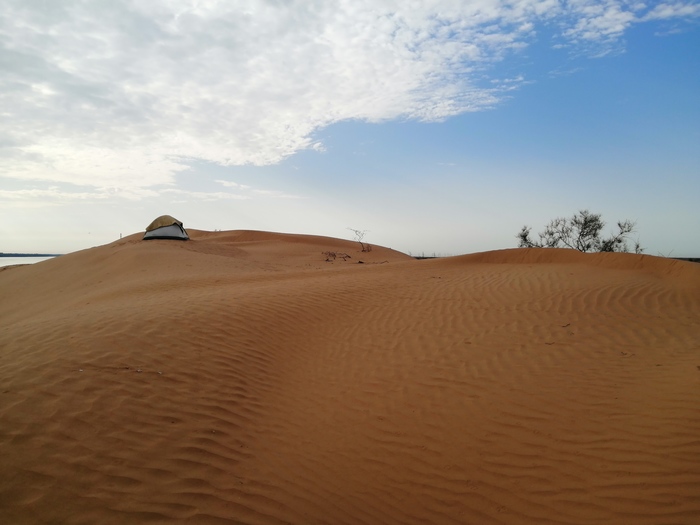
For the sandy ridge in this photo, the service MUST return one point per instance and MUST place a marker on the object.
(240, 378)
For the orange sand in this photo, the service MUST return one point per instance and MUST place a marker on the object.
(240, 378)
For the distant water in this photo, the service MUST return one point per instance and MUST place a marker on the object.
(9, 261)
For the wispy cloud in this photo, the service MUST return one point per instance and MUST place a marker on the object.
(206, 195)
(231, 184)
(601, 22)
(667, 10)
(564, 72)
(70, 194)
(125, 94)
(247, 191)
(49, 197)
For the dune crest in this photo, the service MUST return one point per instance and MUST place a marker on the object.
(240, 377)
(622, 261)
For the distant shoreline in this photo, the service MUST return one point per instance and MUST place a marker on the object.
(419, 257)
(30, 254)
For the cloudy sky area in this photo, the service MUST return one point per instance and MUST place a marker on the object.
(438, 125)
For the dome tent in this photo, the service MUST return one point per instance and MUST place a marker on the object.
(166, 227)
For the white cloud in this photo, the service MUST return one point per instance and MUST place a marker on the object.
(600, 21)
(123, 94)
(596, 27)
(665, 11)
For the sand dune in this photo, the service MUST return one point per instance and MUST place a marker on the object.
(241, 378)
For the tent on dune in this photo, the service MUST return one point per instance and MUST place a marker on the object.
(166, 227)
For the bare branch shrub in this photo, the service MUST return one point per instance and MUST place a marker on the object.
(359, 236)
(581, 232)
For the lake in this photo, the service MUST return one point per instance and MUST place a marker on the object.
(9, 261)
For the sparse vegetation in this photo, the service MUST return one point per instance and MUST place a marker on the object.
(332, 256)
(359, 237)
(581, 232)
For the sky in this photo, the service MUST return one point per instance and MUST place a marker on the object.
(436, 126)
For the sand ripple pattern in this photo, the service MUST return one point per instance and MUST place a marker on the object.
(240, 378)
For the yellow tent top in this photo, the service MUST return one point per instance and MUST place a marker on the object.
(166, 227)
(162, 221)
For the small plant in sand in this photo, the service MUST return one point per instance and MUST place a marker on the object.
(581, 232)
(359, 237)
(331, 256)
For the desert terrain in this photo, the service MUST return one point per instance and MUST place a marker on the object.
(252, 377)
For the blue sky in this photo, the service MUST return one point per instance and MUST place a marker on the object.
(441, 127)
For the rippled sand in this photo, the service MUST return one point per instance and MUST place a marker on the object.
(241, 378)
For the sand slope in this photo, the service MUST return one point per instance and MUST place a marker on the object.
(241, 378)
